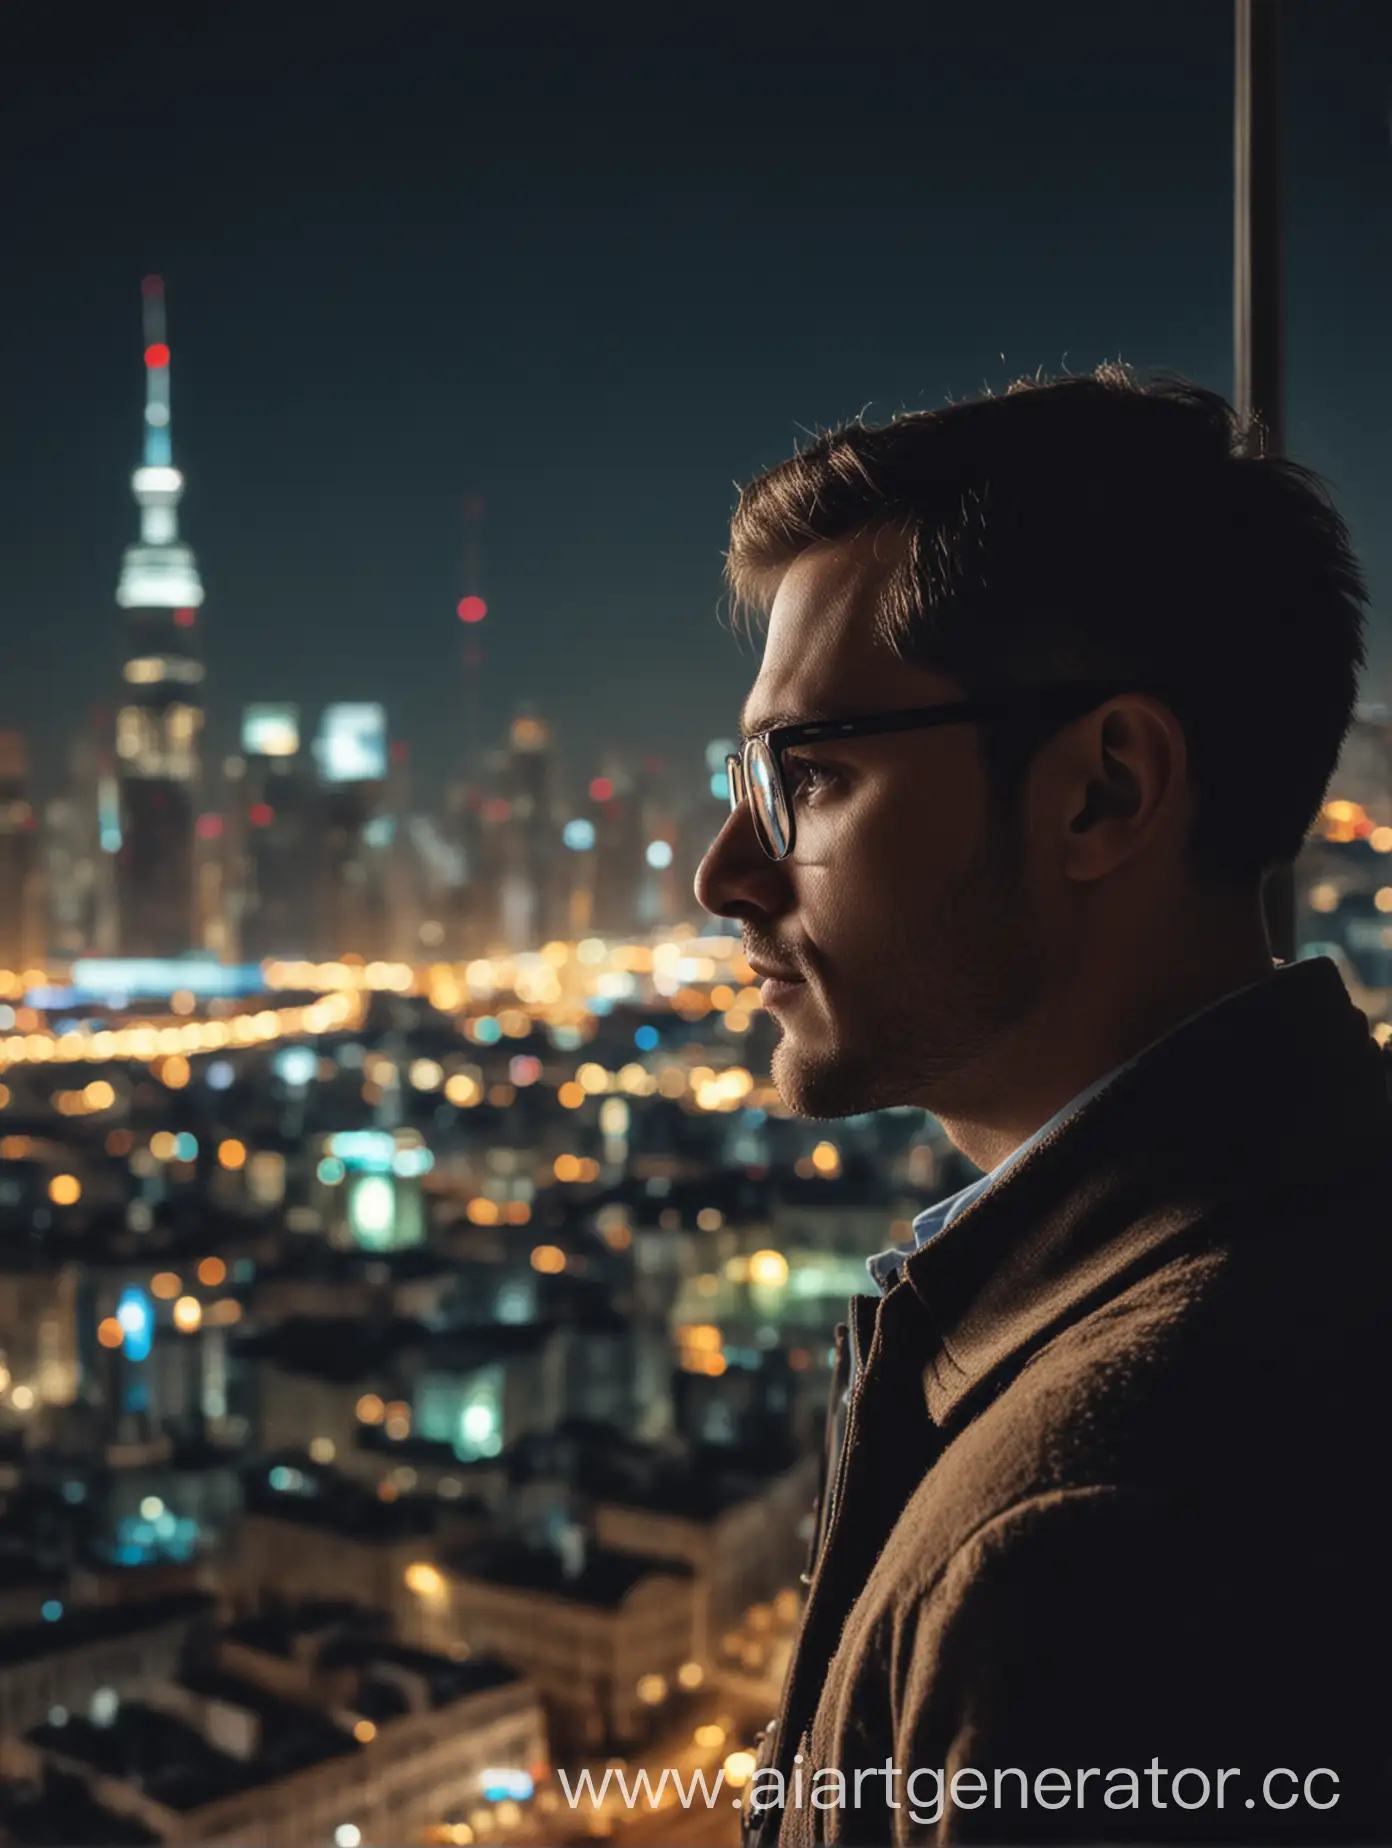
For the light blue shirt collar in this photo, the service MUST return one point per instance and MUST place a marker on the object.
(884, 1265)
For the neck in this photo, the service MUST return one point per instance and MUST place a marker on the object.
(1088, 1026)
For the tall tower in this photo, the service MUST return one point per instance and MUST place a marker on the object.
(161, 717)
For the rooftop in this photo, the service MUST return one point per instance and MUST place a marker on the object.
(291, 1735)
(445, 1680)
(344, 1349)
(690, 1497)
(343, 1507)
(62, 1813)
(605, 1578)
(166, 1758)
(171, 1762)
(275, 1633)
(83, 1625)
(463, 1350)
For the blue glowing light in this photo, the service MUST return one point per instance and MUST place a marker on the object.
(498, 1784)
(295, 1065)
(219, 1075)
(185, 1147)
(579, 835)
(50, 1000)
(720, 786)
(50, 1610)
(409, 1163)
(645, 1038)
(368, 1151)
(155, 978)
(331, 1171)
(142, 1543)
(717, 751)
(659, 855)
(487, 1031)
(136, 1316)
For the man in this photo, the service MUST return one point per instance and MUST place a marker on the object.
(1050, 682)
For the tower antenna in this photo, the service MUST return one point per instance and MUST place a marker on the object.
(158, 452)
(472, 610)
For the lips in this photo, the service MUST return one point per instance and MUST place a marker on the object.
(766, 972)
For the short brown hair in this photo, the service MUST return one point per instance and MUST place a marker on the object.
(1104, 526)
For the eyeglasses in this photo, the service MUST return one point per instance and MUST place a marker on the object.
(756, 771)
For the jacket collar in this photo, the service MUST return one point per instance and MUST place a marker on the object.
(1277, 1089)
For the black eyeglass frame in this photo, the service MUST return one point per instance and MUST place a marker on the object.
(1063, 701)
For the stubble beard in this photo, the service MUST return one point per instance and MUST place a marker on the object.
(925, 1003)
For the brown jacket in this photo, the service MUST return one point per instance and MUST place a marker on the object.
(1112, 1494)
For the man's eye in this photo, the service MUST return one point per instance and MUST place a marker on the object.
(806, 779)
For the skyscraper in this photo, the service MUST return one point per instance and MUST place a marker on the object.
(533, 902)
(276, 832)
(350, 749)
(21, 922)
(158, 725)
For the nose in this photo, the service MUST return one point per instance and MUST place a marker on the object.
(737, 879)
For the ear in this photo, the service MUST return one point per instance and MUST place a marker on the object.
(1114, 789)
(1125, 786)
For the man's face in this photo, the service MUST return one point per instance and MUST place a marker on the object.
(903, 914)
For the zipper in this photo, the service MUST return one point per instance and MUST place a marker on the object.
(833, 1510)
(842, 1378)
(833, 1492)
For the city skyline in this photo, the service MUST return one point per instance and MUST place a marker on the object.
(565, 283)
(428, 1312)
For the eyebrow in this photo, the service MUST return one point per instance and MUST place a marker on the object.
(773, 721)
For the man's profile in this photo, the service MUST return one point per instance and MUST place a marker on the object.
(1050, 682)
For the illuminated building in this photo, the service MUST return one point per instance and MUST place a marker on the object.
(586, 1626)
(40, 1317)
(350, 749)
(276, 808)
(441, 868)
(375, 1202)
(532, 912)
(742, 1547)
(21, 921)
(58, 1666)
(619, 863)
(159, 722)
(260, 1733)
(80, 838)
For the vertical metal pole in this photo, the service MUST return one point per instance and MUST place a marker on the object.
(1258, 306)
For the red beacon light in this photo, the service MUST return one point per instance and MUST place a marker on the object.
(156, 355)
(260, 814)
(472, 609)
(601, 789)
(183, 619)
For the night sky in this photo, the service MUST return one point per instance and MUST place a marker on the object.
(597, 276)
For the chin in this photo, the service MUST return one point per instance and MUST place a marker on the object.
(825, 1085)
